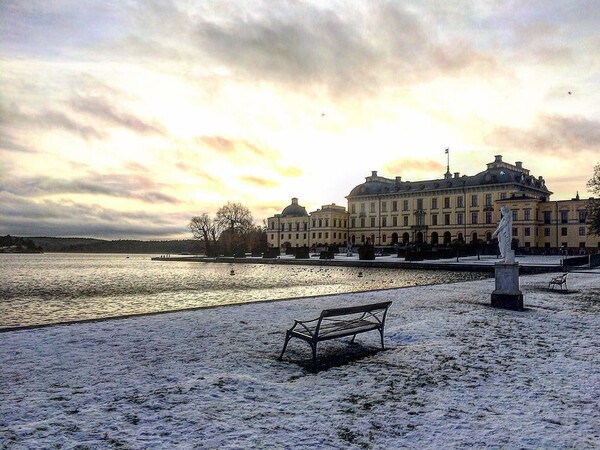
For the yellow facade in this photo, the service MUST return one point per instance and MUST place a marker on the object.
(387, 212)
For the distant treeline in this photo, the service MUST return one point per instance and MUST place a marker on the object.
(88, 245)
(10, 244)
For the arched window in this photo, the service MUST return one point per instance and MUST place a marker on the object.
(447, 238)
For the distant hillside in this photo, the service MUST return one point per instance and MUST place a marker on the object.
(88, 245)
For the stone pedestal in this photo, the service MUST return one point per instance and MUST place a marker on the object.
(507, 294)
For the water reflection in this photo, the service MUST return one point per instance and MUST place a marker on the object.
(50, 288)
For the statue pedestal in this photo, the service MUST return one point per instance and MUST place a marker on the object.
(507, 294)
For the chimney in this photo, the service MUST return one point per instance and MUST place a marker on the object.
(519, 165)
(456, 174)
(398, 180)
(498, 158)
(374, 173)
(294, 201)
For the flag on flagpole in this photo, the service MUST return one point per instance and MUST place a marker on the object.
(447, 150)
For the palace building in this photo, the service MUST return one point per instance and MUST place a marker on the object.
(386, 212)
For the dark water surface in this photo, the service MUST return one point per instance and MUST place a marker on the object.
(53, 287)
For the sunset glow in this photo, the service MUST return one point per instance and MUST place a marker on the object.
(125, 119)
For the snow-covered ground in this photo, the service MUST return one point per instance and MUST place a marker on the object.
(457, 373)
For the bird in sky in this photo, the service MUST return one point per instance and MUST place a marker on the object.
(570, 92)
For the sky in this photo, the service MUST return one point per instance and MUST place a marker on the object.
(124, 119)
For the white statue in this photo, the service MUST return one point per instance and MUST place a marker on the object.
(504, 232)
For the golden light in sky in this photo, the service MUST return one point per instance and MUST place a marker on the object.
(123, 120)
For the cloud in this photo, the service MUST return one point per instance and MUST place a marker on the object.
(119, 186)
(404, 165)
(99, 108)
(261, 182)
(26, 217)
(232, 147)
(551, 133)
(15, 120)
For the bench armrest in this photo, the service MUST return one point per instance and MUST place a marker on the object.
(302, 324)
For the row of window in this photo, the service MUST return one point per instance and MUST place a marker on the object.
(420, 203)
(320, 223)
(315, 235)
(420, 220)
(564, 216)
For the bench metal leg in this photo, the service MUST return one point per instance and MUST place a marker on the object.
(314, 354)
(352, 341)
(381, 333)
(287, 339)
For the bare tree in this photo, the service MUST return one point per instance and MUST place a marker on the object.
(203, 228)
(237, 220)
(593, 205)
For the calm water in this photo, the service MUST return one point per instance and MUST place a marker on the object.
(50, 288)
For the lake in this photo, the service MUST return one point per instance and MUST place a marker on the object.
(39, 289)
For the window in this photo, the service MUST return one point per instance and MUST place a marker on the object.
(547, 217)
(546, 232)
(384, 221)
(353, 208)
(362, 208)
(394, 221)
(297, 235)
(459, 201)
(474, 217)
(581, 231)
(564, 216)
(515, 215)
(582, 216)
(474, 200)
(434, 219)
(314, 234)
(320, 235)
(446, 202)
(326, 235)
(420, 220)
(305, 226)
(419, 203)
(405, 205)
(394, 206)
(362, 222)
(527, 214)
(488, 217)
(446, 219)
(373, 222)
(327, 223)
(272, 236)
(434, 203)
(335, 235)
(405, 221)
(502, 195)
(459, 219)
(335, 223)
(563, 231)
(488, 199)
(304, 235)
(515, 232)
(353, 223)
(383, 206)
(314, 225)
(372, 207)
(320, 223)
(527, 231)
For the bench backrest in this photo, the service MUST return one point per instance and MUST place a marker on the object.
(383, 306)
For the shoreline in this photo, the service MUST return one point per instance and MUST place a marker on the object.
(468, 264)
(197, 308)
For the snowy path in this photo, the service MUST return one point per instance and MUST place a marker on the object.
(457, 373)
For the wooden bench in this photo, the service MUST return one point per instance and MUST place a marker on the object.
(338, 323)
(558, 281)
